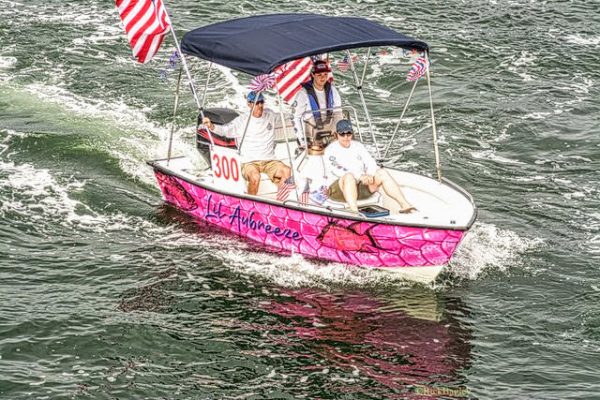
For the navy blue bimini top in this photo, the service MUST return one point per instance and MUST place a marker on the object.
(257, 45)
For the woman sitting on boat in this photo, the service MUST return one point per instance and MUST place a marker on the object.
(355, 173)
(258, 145)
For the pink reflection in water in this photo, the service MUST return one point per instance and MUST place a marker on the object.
(404, 344)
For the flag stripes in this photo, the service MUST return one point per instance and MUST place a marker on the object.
(344, 64)
(290, 77)
(146, 23)
(286, 187)
(304, 196)
(418, 69)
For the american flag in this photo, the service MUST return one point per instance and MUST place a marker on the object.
(418, 69)
(344, 64)
(290, 76)
(305, 193)
(320, 195)
(286, 187)
(146, 23)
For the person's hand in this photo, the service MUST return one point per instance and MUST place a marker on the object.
(367, 179)
(210, 125)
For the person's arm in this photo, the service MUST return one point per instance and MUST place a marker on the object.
(299, 107)
(337, 99)
(369, 161)
(337, 105)
(234, 129)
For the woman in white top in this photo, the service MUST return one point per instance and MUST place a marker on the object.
(353, 173)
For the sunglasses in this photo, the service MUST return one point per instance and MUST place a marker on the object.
(345, 133)
(258, 103)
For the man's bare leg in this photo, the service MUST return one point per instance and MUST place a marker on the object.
(348, 185)
(392, 189)
(283, 173)
(252, 175)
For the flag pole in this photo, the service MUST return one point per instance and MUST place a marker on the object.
(184, 62)
(189, 75)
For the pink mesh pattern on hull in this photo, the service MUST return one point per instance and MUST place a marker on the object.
(336, 239)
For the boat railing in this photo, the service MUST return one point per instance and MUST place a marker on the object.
(459, 189)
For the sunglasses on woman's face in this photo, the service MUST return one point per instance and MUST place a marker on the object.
(345, 133)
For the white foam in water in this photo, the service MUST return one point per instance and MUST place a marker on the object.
(490, 155)
(488, 247)
(585, 41)
(38, 196)
(144, 140)
(7, 62)
(296, 271)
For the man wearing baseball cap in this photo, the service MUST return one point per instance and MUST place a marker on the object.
(319, 96)
(353, 173)
(258, 147)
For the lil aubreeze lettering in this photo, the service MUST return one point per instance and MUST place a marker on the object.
(215, 210)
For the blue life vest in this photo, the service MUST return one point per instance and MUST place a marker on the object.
(314, 104)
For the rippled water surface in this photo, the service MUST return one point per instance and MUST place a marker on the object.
(107, 293)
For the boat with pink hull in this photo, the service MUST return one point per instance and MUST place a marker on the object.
(417, 245)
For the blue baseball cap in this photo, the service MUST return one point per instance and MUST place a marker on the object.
(252, 97)
(343, 125)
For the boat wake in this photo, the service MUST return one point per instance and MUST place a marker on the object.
(486, 248)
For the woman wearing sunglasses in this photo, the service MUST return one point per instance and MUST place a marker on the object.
(353, 173)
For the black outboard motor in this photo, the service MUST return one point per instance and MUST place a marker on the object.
(218, 116)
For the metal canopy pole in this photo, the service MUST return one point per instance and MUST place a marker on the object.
(248, 122)
(210, 65)
(400, 120)
(362, 96)
(185, 66)
(434, 130)
(187, 71)
(210, 136)
(285, 134)
(174, 114)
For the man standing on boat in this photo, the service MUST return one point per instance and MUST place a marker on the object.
(321, 97)
(353, 173)
(258, 145)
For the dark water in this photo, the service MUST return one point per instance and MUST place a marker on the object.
(107, 293)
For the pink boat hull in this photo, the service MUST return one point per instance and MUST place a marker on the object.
(366, 244)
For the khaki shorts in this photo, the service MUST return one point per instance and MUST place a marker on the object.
(269, 167)
(335, 191)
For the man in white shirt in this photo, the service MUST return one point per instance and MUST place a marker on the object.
(258, 146)
(353, 173)
(316, 95)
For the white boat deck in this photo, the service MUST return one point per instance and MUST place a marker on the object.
(439, 205)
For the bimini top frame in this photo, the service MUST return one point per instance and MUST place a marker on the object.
(240, 44)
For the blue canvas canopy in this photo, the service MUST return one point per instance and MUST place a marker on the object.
(256, 45)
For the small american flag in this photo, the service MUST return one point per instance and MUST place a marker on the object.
(290, 76)
(320, 195)
(146, 23)
(418, 69)
(286, 187)
(344, 64)
(305, 193)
